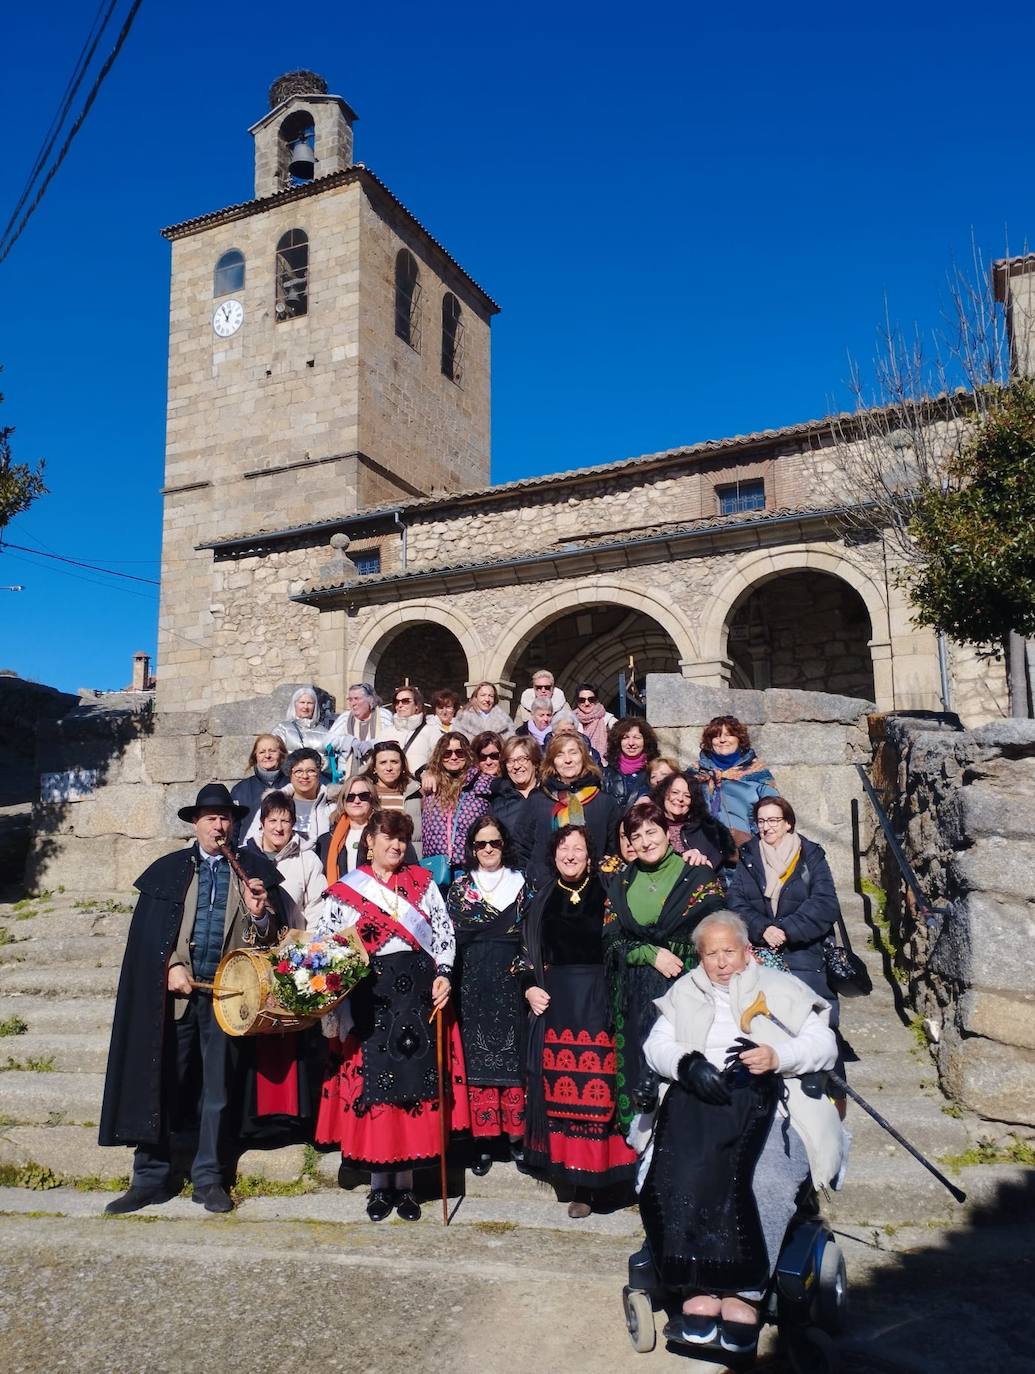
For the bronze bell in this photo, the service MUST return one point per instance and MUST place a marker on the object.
(303, 161)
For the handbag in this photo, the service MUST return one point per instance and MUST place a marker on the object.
(440, 867)
(769, 958)
(846, 973)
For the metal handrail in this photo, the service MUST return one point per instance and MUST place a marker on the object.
(924, 907)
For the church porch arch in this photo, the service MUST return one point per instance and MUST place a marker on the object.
(588, 633)
(759, 601)
(423, 642)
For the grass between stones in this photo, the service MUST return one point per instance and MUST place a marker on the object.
(985, 1152)
(13, 1025)
(34, 1064)
(40, 1178)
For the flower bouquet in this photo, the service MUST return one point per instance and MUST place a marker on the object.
(313, 976)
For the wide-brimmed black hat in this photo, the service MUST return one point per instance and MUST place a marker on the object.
(214, 796)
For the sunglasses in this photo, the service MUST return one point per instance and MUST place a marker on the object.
(488, 844)
(359, 797)
(402, 701)
(452, 753)
(543, 687)
(489, 754)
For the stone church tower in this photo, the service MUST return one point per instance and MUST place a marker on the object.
(326, 355)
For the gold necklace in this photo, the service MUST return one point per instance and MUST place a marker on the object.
(573, 892)
(393, 895)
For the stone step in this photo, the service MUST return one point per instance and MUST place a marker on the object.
(57, 1014)
(67, 1051)
(51, 1098)
(102, 951)
(889, 1190)
(70, 979)
(59, 925)
(920, 1118)
(68, 1151)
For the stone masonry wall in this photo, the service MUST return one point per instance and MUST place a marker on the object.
(963, 804)
(810, 741)
(134, 770)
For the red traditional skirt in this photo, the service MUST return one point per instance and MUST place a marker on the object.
(496, 1111)
(577, 1070)
(380, 1096)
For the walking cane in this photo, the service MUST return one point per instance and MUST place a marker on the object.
(759, 1008)
(440, 1057)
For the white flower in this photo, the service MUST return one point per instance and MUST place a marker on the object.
(301, 977)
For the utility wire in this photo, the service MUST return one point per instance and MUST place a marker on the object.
(78, 563)
(74, 82)
(12, 239)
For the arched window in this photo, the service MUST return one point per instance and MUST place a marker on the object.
(229, 273)
(292, 275)
(407, 298)
(452, 339)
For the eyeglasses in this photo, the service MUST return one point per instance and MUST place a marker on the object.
(585, 700)
(305, 772)
(488, 844)
(452, 753)
(770, 821)
(359, 797)
(402, 701)
(489, 754)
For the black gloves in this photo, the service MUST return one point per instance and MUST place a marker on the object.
(645, 1094)
(703, 1079)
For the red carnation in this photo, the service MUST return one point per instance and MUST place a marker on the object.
(341, 938)
(283, 966)
(333, 982)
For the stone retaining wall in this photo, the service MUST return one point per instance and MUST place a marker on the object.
(810, 741)
(126, 772)
(964, 804)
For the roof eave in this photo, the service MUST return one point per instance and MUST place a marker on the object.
(611, 556)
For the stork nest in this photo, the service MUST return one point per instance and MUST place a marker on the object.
(296, 83)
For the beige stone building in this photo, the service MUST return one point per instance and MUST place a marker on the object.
(329, 516)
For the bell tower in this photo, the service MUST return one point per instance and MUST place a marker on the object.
(326, 355)
(307, 134)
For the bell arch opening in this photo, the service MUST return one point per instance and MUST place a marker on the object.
(805, 629)
(428, 655)
(594, 644)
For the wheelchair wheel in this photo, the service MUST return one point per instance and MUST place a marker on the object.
(811, 1351)
(831, 1289)
(639, 1320)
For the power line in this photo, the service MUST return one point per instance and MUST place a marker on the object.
(74, 82)
(12, 239)
(78, 563)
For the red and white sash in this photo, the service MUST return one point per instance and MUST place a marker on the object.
(376, 926)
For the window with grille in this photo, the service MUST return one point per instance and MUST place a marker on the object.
(229, 273)
(452, 339)
(368, 561)
(292, 275)
(741, 496)
(407, 298)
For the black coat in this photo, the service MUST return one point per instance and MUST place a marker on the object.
(507, 804)
(532, 841)
(626, 788)
(806, 909)
(131, 1113)
(249, 792)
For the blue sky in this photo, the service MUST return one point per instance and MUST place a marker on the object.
(690, 217)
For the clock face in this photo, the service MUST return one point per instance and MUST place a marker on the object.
(228, 318)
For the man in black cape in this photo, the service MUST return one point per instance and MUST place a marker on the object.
(191, 911)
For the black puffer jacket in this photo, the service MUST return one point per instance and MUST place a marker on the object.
(806, 910)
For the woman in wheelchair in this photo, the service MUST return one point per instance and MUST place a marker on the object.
(739, 1130)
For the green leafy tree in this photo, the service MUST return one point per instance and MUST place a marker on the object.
(20, 485)
(975, 575)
